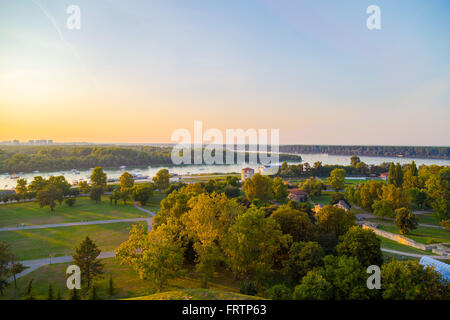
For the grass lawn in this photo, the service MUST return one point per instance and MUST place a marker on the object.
(422, 234)
(126, 282)
(39, 243)
(427, 218)
(323, 199)
(196, 294)
(84, 209)
(393, 245)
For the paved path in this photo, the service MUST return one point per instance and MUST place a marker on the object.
(70, 224)
(37, 263)
(143, 210)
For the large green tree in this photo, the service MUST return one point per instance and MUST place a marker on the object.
(303, 257)
(295, 223)
(258, 187)
(155, 256)
(362, 244)
(335, 220)
(251, 243)
(337, 179)
(409, 280)
(161, 180)
(405, 220)
(142, 193)
(126, 180)
(49, 195)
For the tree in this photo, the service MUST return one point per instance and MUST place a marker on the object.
(161, 180)
(126, 181)
(38, 183)
(362, 168)
(30, 293)
(207, 223)
(280, 190)
(354, 160)
(252, 241)
(337, 179)
(392, 178)
(98, 178)
(50, 292)
(5, 259)
(405, 220)
(83, 186)
(409, 280)
(333, 219)
(303, 257)
(93, 292)
(74, 295)
(418, 197)
(367, 193)
(279, 292)
(382, 208)
(314, 286)
(312, 186)
(155, 256)
(397, 197)
(142, 193)
(85, 257)
(96, 194)
(125, 194)
(115, 196)
(348, 278)
(258, 187)
(49, 195)
(21, 188)
(61, 183)
(362, 244)
(441, 207)
(295, 223)
(111, 288)
(16, 268)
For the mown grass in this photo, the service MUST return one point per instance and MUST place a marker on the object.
(427, 218)
(29, 213)
(425, 235)
(127, 283)
(196, 294)
(61, 241)
(393, 245)
(323, 199)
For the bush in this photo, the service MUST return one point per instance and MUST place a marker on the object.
(70, 201)
(279, 292)
(248, 288)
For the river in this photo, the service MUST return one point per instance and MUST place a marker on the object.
(7, 183)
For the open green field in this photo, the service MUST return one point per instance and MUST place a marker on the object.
(61, 241)
(84, 209)
(425, 235)
(127, 284)
(209, 176)
(196, 294)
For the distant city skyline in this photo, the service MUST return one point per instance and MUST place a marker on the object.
(136, 71)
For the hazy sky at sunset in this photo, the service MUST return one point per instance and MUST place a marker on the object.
(137, 70)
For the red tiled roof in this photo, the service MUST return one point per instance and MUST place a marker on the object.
(297, 192)
(248, 169)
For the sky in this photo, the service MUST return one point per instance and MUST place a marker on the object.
(138, 70)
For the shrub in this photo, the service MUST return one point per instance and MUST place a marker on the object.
(248, 288)
(279, 292)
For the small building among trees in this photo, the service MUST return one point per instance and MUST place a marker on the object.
(297, 195)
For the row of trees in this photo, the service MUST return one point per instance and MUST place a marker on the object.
(377, 151)
(428, 186)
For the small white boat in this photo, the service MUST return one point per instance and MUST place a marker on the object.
(36, 171)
